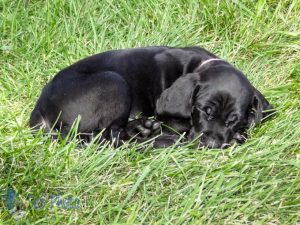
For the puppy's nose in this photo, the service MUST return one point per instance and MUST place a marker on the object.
(212, 140)
(225, 145)
(212, 144)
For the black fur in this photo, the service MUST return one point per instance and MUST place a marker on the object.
(214, 100)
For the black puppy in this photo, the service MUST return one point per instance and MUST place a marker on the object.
(189, 89)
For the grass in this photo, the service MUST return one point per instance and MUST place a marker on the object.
(256, 183)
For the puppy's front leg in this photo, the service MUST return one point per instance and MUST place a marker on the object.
(143, 129)
(165, 134)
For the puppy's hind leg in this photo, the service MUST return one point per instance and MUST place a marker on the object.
(111, 106)
(38, 122)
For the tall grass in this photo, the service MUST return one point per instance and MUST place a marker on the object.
(255, 183)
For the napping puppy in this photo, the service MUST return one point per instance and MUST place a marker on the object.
(188, 89)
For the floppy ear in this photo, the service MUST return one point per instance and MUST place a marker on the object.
(259, 109)
(177, 100)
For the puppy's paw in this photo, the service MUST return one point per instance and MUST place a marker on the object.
(149, 127)
(144, 128)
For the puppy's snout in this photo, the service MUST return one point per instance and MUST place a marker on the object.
(213, 141)
(211, 144)
(209, 139)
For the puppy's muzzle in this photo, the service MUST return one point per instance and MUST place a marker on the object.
(208, 141)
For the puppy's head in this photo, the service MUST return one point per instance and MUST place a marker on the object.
(219, 101)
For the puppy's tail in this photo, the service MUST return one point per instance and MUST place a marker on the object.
(39, 122)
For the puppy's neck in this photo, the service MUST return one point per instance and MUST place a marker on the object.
(206, 62)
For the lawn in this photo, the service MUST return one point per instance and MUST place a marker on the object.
(255, 183)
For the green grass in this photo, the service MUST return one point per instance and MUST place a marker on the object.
(256, 183)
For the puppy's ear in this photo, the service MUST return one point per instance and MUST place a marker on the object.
(177, 100)
(260, 109)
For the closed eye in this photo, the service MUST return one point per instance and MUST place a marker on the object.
(231, 120)
(208, 111)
